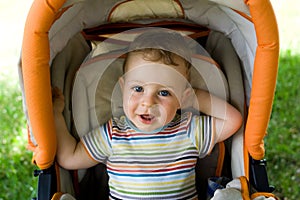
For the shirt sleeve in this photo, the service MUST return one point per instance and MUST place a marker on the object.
(98, 143)
(202, 133)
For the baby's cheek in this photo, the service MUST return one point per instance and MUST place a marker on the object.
(163, 116)
(167, 113)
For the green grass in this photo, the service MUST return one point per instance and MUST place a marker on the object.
(282, 143)
(16, 180)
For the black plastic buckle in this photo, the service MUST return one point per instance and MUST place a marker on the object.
(46, 184)
(259, 176)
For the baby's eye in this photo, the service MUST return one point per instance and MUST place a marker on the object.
(138, 88)
(164, 93)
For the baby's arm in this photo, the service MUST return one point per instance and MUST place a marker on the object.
(228, 119)
(70, 154)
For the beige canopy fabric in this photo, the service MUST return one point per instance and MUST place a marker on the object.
(249, 25)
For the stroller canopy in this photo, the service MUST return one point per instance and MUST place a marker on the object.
(250, 25)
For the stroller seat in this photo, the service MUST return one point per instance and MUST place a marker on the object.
(96, 97)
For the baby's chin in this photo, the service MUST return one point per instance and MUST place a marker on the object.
(155, 127)
(149, 123)
(150, 128)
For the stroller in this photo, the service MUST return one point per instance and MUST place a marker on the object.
(79, 46)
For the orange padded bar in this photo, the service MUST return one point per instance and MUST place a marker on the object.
(264, 75)
(36, 75)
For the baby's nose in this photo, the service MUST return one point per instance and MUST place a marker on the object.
(149, 100)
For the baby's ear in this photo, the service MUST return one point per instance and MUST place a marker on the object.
(187, 98)
(121, 83)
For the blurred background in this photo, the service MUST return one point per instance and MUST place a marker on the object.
(282, 143)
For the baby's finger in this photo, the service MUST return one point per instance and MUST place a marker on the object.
(57, 93)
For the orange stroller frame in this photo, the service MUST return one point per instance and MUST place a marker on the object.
(38, 55)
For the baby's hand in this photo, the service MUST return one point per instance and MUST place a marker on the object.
(58, 100)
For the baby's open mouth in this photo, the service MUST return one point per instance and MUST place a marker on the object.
(147, 118)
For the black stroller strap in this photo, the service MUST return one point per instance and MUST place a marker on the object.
(46, 183)
(259, 176)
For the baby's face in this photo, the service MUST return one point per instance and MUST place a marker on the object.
(152, 92)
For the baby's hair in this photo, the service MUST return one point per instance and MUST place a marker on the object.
(161, 45)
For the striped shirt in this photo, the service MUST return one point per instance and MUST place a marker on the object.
(159, 165)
